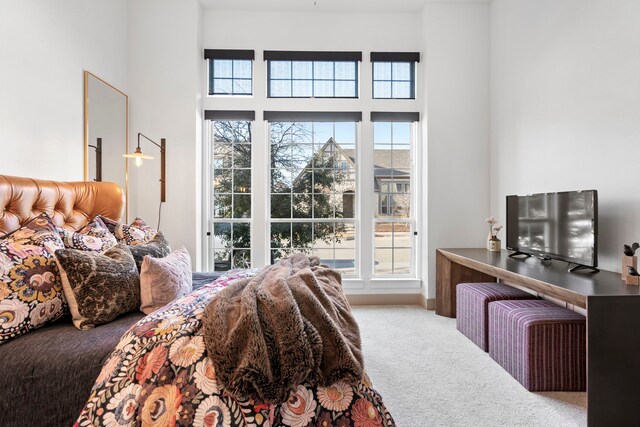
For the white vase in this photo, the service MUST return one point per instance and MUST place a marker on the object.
(493, 244)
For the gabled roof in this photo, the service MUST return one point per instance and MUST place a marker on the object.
(386, 162)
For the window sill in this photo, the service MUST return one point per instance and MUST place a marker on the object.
(400, 285)
(228, 96)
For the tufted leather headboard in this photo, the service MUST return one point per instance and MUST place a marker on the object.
(70, 204)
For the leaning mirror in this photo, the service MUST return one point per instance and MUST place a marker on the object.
(106, 133)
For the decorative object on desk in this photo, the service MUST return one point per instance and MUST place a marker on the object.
(493, 243)
(629, 260)
(632, 277)
(631, 250)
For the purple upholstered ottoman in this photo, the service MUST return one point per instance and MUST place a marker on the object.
(541, 345)
(472, 314)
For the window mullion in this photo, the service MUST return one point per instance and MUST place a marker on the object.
(313, 79)
(366, 206)
(334, 80)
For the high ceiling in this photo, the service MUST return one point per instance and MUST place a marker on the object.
(324, 5)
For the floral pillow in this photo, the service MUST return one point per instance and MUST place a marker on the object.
(136, 233)
(40, 231)
(109, 223)
(30, 287)
(133, 234)
(95, 236)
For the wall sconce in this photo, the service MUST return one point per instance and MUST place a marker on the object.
(138, 155)
(98, 148)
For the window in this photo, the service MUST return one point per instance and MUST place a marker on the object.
(230, 72)
(231, 193)
(312, 79)
(394, 75)
(230, 77)
(312, 191)
(306, 181)
(394, 220)
(312, 74)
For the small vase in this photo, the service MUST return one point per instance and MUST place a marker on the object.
(493, 244)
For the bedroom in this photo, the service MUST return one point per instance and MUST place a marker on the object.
(514, 98)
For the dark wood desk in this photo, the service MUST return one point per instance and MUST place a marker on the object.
(613, 320)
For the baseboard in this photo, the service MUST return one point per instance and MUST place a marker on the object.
(428, 303)
(385, 299)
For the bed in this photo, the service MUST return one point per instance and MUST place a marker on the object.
(54, 373)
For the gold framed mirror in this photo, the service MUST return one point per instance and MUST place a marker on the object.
(106, 134)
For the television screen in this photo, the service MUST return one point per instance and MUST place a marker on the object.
(556, 225)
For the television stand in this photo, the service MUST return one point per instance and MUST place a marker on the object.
(518, 253)
(583, 267)
(613, 324)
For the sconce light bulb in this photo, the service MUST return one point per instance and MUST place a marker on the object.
(138, 162)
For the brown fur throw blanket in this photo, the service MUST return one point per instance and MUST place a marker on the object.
(287, 325)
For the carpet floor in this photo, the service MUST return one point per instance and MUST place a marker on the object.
(429, 374)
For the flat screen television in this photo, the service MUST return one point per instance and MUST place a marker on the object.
(561, 226)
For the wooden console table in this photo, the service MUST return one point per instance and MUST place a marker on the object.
(613, 320)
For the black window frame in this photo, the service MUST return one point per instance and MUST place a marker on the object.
(314, 57)
(391, 58)
(234, 56)
(233, 220)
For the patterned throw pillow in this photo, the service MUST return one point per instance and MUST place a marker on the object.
(109, 223)
(95, 236)
(99, 287)
(30, 288)
(164, 279)
(158, 247)
(40, 231)
(136, 233)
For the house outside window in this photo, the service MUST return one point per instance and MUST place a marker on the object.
(394, 75)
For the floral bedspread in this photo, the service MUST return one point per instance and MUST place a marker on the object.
(159, 375)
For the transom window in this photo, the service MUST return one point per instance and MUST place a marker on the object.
(230, 77)
(394, 75)
(313, 79)
(294, 74)
(230, 71)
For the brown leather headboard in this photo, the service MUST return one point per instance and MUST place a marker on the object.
(70, 204)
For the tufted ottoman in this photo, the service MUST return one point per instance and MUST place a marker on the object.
(540, 344)
(472, 301)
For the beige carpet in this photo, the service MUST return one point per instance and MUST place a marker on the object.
(429, 374)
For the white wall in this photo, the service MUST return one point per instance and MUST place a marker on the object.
(154, 48)
(165, 102)
(565, 91)
(44, 48)
(456, 43)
